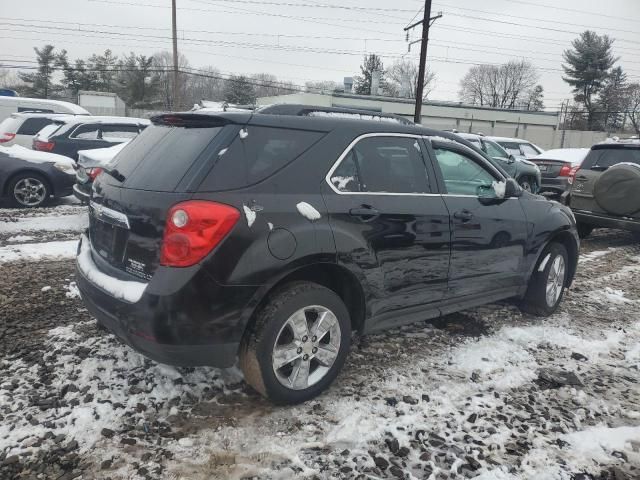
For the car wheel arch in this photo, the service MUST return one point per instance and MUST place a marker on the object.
(330, 275)
(565, 238)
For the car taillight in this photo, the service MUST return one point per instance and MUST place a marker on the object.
(565, 171)
(193, 229)
(92, 173)
(572, 174)
(7, 137)
(43, 146)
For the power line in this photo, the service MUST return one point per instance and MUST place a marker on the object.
(573, 10)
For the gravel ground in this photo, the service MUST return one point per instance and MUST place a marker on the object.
(488, 393)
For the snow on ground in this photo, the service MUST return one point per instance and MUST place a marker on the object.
(488, 393)
(39, 251)
(49, 223)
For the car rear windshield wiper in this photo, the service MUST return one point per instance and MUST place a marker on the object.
(114, 173)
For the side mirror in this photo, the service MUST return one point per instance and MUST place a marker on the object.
(512, 189)
(512, 158)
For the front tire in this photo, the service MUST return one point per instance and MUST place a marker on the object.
(546, 287)
(528, 184)
(298, 344)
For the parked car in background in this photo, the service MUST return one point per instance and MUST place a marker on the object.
(29, 178)
(9, 105)
(91, 164)
(518, 147)
(525, 172)
(606, 187)
(69, 136)
(272, 236)
(558, 167)
(20, 128)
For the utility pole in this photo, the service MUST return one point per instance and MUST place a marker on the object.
(426, 23)
(175, 55)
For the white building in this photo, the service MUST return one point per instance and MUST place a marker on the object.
(537, 127)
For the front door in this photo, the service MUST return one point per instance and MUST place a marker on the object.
(488, 233)
(390, 226)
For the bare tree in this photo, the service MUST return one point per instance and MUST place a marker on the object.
(500, 86)
(163, 61)
(206, 84)
(322, 86)
(402, 80)
(268, 85)
(633, 105)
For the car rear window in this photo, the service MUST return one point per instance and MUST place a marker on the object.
(603, 158)
(160, 156)
(262, 152)
(49, 130)
(31, 126)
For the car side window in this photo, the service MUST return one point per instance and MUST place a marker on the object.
(463, 175)
(86, 132)
(383, 165)
(511, 147)
(118, 133)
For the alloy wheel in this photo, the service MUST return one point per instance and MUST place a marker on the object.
(29, 191)
(306, 347)
(555, 280)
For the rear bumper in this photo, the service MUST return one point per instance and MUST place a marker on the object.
(186, 321)
(597, 220)
(80, 193)
(557, 185)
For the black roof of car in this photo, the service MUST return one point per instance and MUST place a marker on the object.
(302, 116)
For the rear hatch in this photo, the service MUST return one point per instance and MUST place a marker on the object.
(599, 159)
(159, 168)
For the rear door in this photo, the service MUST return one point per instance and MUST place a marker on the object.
(488, 233)
(390, 224)
(29, 128)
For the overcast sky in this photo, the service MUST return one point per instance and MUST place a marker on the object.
(251, 36)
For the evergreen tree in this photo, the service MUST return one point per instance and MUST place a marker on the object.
(39, 84)
(587, 69)
(372, 63)
(137, 83)
(613, 99)
(535, 102)
(238, 90)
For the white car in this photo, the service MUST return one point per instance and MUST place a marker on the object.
(9, 105)
(20, 128)
(518, 147)
(90, 165)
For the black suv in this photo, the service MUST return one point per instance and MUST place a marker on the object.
(606, 187)
(70, 135)
(274, 236)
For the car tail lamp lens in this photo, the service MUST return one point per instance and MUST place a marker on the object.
(573, 173)
(7, 137)
(193, 229)
(565, 171)
(92, 173)
(43, 146)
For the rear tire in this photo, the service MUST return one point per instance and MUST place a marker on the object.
(546, 287)
(281, 356)
(584, 230)
(28, 190)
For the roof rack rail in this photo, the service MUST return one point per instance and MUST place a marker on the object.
(312, 111)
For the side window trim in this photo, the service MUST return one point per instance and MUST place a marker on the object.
(425, 159)
(72, 135)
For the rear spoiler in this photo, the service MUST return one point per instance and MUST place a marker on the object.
(190, 120)
(311, 110)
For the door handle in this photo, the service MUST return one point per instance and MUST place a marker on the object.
(365, 213)
(464, 215)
